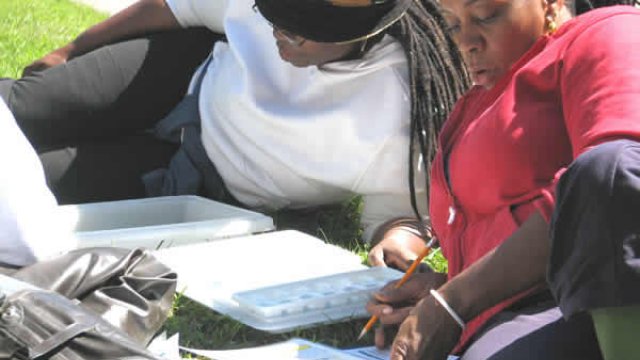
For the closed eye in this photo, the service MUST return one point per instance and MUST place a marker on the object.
(488, 19)
(453, 28)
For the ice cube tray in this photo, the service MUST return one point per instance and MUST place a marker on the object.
(330, 297)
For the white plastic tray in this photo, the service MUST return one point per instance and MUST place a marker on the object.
(161, 222)
(214, 272)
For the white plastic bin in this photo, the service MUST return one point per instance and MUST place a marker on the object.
(161, 222)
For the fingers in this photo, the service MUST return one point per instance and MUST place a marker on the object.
(396, 316)
(48, 61)
(35, 67)
(379, 338)
(376, 256)
(388, 315)
(409, 343)
(397, 248)
(400, 260)
(399, 351)
(416, 288)
(427, 333)
(378, 309)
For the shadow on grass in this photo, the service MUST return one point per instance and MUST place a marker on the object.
(337, 224)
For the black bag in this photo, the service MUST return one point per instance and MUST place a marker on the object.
(99, 303)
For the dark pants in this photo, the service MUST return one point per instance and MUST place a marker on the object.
(533, 329)
(89, 118)
(572, 339)
(595, 230)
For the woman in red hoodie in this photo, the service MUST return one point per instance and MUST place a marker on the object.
(549, 87)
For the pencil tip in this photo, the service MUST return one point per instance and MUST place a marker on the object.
(364, 331)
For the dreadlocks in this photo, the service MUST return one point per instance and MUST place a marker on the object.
(437, 79)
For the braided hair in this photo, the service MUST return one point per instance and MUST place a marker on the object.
(437, 76)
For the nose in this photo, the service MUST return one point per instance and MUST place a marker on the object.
(469, 39)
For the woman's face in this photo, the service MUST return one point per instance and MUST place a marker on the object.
(302, 52)
(493, 34)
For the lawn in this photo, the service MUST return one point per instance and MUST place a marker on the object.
(32, 28)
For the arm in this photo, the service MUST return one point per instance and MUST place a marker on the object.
(493, 279)
(599, 86)
(429, 331)
(142, 17)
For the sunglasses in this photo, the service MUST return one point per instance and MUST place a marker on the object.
(291, 38)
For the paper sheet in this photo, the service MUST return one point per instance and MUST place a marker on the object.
(297, 349)
(373, 353)
(294, 349)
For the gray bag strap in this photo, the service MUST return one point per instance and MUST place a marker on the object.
(38, 324)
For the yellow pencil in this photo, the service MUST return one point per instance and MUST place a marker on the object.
(403, 280)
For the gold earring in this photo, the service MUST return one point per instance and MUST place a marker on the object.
(550, 23)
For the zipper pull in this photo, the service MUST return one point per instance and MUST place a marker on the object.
(452, 215)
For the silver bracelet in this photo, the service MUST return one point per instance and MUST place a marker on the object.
(446, 306)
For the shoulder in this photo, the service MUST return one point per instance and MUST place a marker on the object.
(618, 21)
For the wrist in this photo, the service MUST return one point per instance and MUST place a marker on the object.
(65, 52)
(442, 302)
(457, 300)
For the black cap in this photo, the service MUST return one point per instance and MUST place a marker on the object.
(335, 21)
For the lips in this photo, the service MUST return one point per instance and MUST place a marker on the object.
(475, 68)
(482, 77)
(479, 72)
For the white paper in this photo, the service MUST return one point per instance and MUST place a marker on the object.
(297, 349)
(294, 349)
(164, 348)
(373, 353)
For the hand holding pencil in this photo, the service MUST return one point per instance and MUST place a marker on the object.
(369, 325)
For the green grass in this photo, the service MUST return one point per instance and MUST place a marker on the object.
(30, 29)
